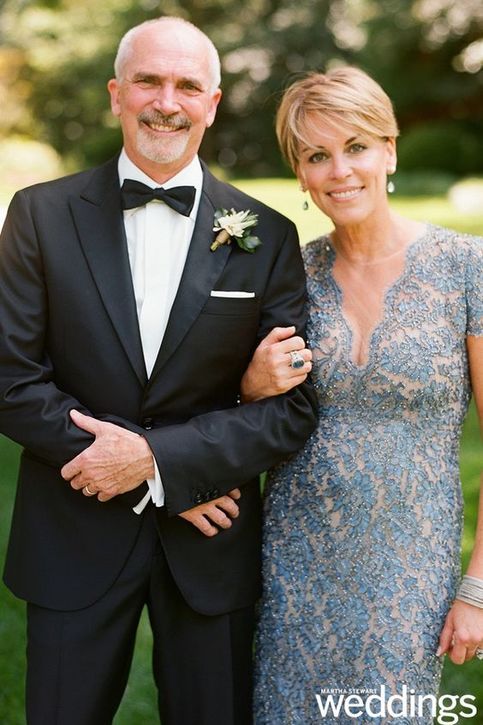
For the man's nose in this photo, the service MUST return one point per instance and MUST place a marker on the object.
(166, 100)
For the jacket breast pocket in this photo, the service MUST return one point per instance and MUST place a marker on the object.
(232, 306)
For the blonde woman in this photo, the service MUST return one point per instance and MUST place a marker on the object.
(363, 526)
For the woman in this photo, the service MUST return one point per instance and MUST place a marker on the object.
(363, 526)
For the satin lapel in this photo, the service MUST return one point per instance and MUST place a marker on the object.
(98, 218)
(202, 269)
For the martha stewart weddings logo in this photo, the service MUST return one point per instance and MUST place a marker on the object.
(356, 703)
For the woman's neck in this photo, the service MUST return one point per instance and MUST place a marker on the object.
(375, 240)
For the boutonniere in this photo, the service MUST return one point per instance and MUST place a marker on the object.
(235, 225)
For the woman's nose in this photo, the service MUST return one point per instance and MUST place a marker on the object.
(340, 167)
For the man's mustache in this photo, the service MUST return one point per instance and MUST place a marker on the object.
(175, 120)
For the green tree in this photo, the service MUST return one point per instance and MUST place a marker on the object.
(428, 54)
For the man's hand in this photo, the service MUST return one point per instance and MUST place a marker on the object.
(118, 460)
(220, 511)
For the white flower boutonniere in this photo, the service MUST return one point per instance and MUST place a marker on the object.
(235, 225)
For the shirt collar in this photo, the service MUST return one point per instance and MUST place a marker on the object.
(190, 175)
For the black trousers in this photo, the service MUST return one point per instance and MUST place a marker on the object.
(78, 662)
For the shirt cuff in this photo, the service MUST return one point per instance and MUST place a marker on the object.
(155, 493)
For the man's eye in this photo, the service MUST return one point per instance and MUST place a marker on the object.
(145, 82)
(189, 86)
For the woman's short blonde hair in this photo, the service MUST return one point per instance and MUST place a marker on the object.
(343, 95)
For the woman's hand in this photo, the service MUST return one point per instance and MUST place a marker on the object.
(210, 517)
(269, 372)
(462, 633)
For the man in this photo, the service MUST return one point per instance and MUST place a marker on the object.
(123, 342)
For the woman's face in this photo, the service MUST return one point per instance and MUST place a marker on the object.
(345, 171)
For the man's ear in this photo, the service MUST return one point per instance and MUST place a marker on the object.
(215, 99)
(114, 90)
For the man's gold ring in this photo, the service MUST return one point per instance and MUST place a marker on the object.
(88, 491)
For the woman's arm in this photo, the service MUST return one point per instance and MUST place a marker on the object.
(269, 372)
(462, 633)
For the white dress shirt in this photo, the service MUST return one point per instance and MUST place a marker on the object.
(158, 240)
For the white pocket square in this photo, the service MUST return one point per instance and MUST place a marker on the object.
(224, 293)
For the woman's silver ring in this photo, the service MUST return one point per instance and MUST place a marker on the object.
(296, 360)
(88, 491)
(479, 653)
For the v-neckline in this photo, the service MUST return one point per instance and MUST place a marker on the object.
(385, 298)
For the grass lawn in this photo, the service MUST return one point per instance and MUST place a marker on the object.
(285, 196)
(139, 702)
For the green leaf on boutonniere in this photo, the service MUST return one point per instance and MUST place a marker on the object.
(249, 243)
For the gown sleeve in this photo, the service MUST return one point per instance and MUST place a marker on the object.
(474, 287)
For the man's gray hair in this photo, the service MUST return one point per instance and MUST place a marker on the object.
(125, 47)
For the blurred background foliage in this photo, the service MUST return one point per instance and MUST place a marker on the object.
(56, 57)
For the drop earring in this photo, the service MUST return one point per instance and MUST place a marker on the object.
(391, 186)
(305, 205)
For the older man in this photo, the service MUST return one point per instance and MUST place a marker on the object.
(123, 340)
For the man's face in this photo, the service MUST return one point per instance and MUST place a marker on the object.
(164, 99)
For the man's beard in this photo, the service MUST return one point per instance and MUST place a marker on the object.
(166, 150)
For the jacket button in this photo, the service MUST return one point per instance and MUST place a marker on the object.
(198, 498)
(147, 423)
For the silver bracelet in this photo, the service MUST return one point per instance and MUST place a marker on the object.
(471, 591)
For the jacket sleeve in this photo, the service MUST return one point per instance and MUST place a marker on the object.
(33, 410)
(214, 452)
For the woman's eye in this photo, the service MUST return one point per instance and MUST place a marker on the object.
(317, 157)
(356, 148)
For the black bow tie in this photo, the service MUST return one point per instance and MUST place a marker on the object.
(179, 198)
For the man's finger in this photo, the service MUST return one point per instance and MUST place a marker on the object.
(103, 496)
(77, 482)
(70, 470)
(86, 422)
(235, 494)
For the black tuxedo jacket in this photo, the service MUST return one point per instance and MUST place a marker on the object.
(69, 338)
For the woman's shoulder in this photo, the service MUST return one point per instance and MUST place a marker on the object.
(452, 259)
(455, 244)
(316, 253)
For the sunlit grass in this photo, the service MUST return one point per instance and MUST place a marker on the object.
(285, 196)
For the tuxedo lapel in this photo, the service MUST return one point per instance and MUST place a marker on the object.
(98, 218)
(202, 269)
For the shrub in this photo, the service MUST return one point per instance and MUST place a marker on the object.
(449, 147)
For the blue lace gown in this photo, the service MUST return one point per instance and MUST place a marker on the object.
(363, 525)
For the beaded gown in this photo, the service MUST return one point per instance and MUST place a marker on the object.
(363, 525)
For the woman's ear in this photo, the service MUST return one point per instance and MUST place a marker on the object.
(391, 155)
